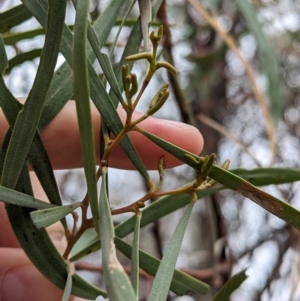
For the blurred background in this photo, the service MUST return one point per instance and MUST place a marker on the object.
(238, 82)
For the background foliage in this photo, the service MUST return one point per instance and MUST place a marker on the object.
(238, 82)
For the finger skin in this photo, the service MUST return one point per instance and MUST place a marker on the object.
(21, 281)
(62, 140)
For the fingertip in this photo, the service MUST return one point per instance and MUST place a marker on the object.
(25, 283)
(182, 135)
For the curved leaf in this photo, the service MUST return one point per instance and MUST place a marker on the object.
(23, 57)
(279, 208)
(68, 287)
(13, 17)
(268, 175)
(164, 274)
(181, 284)
(27, 120)
(230, 286)
(83, 109)
(46, 217)
(117, 281)
(13, 197)
(3, 61)
(37, 153)
(135, 276)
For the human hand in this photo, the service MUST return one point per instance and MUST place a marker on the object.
(19, 279)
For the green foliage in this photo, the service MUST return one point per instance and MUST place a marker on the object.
(78, 78)
(225, 292)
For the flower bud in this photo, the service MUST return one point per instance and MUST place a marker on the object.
(159, 99)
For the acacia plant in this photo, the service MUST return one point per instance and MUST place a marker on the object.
(77, 78)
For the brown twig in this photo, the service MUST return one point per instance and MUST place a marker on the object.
(184, 107)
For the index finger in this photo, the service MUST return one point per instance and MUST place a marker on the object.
(62, 140)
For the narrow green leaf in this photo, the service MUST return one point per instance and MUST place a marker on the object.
(279, 208)
(108, 71)
(86, 238)
(24, 179)
(42, 166)
(81, 93)
(13, 17)
(10, 106)
(68, 287)
(12, 38)
(60, 91)
(17, 198)
(123, 22)
(132, 47)
(81, 287)
(93, 246)
(164, 275)
(230, 286)
(181, 284)
(28, 118)
(3, 61)
(46, 217)
(132, 22)
(268, 176)
(23, 57)
(266, 56)
(37, 153)
(117, 281)
(135, 254)
(228, 179)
